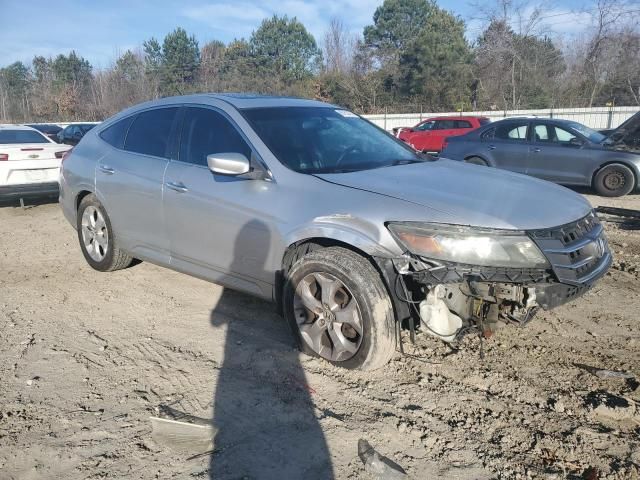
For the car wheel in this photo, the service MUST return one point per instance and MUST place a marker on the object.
(614, 180)
(476, 161)
(338, 308)
(97, 241)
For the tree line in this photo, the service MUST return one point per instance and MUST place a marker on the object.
(414, 54)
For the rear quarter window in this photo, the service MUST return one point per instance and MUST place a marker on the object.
(489, 134)
(21, 136)
(115, 134)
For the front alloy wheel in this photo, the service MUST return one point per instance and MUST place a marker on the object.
(339, 309)
(328, 317)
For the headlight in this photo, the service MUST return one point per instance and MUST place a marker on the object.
(473, 246)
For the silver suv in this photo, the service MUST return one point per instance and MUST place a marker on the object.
(351, 232)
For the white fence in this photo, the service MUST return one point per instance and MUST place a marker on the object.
(595, 117)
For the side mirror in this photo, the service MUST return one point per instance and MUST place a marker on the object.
(229, 163)
(576, 142)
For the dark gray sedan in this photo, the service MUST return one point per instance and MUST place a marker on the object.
(560, 151)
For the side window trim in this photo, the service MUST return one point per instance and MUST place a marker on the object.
(173, 146)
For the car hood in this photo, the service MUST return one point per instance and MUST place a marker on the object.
(626, 137)
(464, 194)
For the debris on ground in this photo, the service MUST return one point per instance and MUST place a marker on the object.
(378, 466)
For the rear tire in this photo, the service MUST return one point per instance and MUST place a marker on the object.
(476, 161)
(97, 240)
(615, 180)
(320, 288)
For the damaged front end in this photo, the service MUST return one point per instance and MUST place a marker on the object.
(502, 277)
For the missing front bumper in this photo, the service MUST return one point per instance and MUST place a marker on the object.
(482, 298)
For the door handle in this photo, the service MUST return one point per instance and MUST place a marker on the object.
(106, 169)
(535, 150)
(491, 147)
(177, 186)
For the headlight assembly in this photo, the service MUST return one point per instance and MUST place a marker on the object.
(473, 246)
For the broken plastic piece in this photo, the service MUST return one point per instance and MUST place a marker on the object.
(612, 374)
(378, 466)
(182, 435)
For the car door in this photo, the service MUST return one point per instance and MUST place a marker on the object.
(419, 136)
(556, 154)
(506, 145)
(441, 129)
(214, 223)
(129, 181)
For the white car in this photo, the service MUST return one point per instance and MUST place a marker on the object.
(29, 162)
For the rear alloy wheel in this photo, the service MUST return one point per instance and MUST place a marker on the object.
(97, 241)
(476, 161)
(614, 180)
(338, 308)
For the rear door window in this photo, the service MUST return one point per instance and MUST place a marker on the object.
(512, 131)
(462, 124)
(205, 131)
(21, 136)
(115, 134)
(552, 134)
(150, 132)
(444, 124)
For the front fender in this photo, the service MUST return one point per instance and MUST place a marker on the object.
(370, 238)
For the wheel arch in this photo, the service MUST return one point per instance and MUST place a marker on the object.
(81, 194)
(383, 265)
(478, 155)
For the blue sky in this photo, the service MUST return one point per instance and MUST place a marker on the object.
(101, 30)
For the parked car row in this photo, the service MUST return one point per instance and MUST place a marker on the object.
(29, 162)
(559, 151)
(30, 157)
(429, 135)
(352, 232)
(70, 135)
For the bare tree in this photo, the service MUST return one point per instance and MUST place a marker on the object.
(338, 47)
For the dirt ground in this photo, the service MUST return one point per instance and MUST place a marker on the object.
(86, 358)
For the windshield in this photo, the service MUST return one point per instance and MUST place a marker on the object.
(592, 135)
(326, 140)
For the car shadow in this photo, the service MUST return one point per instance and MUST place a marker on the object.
(264, 417)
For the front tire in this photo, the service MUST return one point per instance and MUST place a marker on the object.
(615, 180)
(97, 240)
(338, 308)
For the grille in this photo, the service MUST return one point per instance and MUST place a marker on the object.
(578, 252)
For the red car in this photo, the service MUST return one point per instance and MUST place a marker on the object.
(429, 135)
